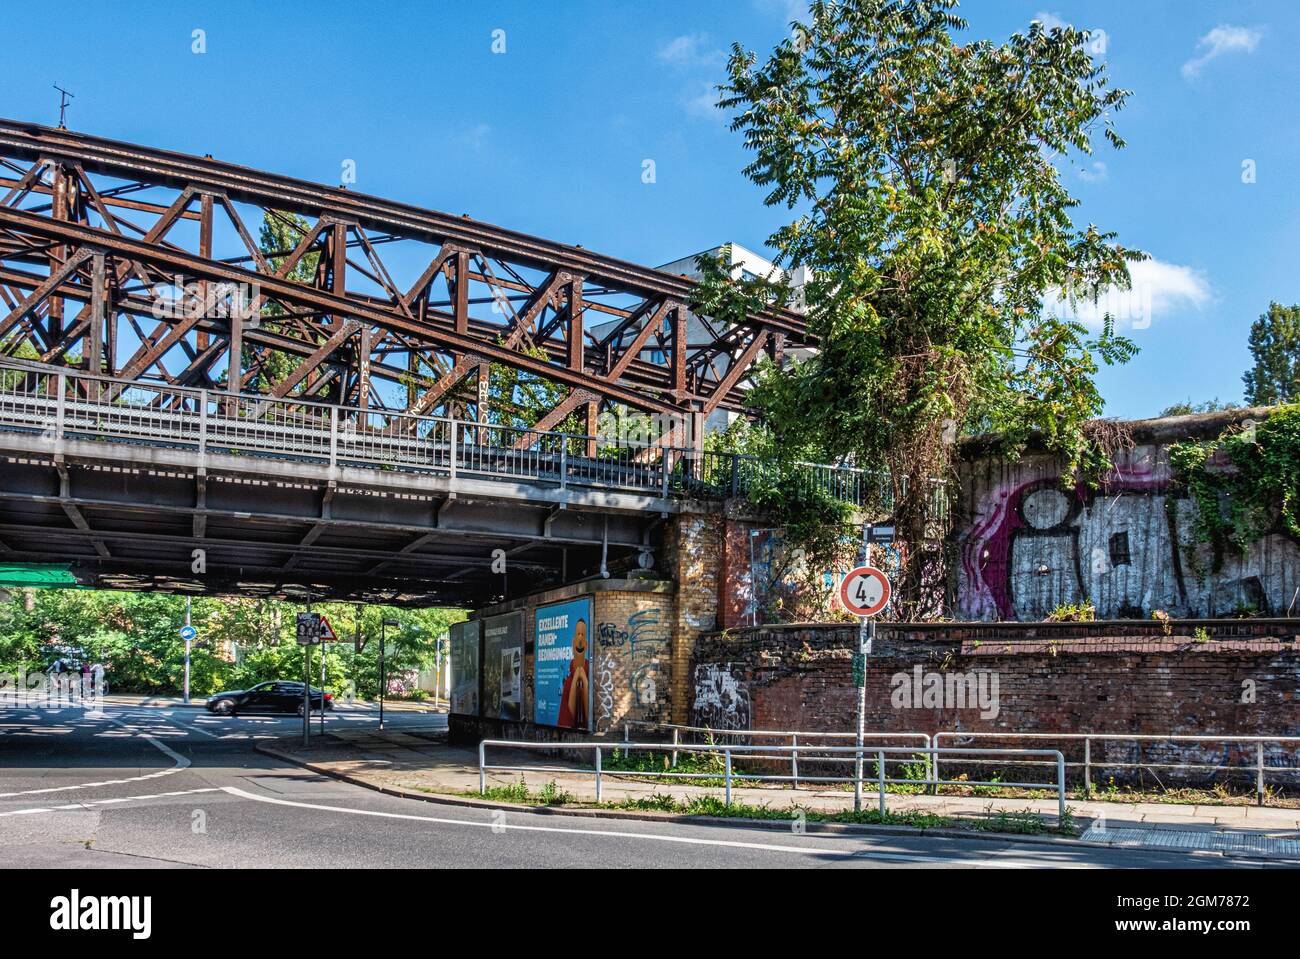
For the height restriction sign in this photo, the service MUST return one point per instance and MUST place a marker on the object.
(865, 591)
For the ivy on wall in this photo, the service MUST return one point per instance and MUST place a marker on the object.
(1245, 484)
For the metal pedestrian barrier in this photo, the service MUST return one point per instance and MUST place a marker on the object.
(796, 738)
(1259, 767)
(729, 776)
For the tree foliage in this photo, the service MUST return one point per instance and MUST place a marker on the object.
(1254, 493)
(930, 211)
(136, 636)
(1275, 346)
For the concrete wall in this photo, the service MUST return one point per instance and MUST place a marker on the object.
(1026, 546)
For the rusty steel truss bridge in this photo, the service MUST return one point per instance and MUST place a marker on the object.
(340, 403)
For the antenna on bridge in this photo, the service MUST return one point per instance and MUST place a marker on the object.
(63, 105)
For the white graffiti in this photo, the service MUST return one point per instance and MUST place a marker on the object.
(605, 688)
(721, 700)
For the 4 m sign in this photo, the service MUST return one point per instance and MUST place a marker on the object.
(865, 591)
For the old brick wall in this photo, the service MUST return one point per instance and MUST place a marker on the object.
(692, 557)
(632, 658)
(798, 678)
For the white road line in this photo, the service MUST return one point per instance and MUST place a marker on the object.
(650, 837)
(104, 802)
(180, 761)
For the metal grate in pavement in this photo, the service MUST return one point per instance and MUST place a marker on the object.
(1189, 840)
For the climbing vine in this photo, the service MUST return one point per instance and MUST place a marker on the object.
(1245, 484)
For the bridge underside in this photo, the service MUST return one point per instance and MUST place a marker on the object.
(149, 520)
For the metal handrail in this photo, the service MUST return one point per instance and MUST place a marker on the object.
(1088, 739)
(728, 775)
(793, 735)
(1259, 767)
(71, 403)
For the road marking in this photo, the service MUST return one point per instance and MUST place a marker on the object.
(180, 763)
(651, 837)
(105, 802)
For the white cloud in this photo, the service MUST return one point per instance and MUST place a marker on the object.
(789, 11)
(1050, 21)
(1222, 39)
(1159, 290)
(689, 50)
(705, 103)
(476, 137)
(1094, 174)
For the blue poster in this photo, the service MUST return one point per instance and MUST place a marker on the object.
(562, 665)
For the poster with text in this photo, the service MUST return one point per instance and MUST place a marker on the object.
(503, 666)
(465, 667)
(562, 665)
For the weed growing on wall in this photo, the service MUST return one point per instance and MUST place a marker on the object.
(1245, 484)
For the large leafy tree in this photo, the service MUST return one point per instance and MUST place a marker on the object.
(922, 170)
(1275, 345)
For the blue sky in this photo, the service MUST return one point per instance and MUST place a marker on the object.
(550, 137)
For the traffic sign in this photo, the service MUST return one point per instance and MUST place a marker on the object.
(308, 629)
(188, 632)
(865, 591)
(326, 632)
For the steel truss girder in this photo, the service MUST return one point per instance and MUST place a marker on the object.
(679, 377)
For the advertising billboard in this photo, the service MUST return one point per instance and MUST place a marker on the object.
(562, 665)
(503, 666)
(465, 667)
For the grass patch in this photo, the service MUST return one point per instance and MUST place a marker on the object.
(519, 794)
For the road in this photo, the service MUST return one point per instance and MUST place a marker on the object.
(175, 787)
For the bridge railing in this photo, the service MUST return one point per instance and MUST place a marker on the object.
(70, 404)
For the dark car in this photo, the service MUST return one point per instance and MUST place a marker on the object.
(277, 696)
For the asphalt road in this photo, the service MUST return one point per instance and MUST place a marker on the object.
(175, 787)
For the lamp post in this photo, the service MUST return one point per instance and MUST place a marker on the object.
(383, 674)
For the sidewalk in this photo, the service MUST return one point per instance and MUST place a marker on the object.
(419, 764)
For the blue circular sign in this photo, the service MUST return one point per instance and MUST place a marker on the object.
(188, 632)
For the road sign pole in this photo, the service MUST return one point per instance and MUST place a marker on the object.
(306, 688)
(188, 639)
(866, 627)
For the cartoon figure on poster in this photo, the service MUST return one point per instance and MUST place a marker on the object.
(562, 677)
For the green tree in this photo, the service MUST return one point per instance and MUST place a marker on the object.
(935, 223)
(1187, 407)
(1275, 345)
(279, 236)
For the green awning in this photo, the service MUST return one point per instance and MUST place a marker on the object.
(24, 576)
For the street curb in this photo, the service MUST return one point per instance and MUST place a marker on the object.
(650, 816)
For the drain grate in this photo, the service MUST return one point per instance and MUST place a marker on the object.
(1237, 843)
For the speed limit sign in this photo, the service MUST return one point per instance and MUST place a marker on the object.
(865, 591)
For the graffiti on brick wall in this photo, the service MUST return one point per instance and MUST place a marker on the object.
(1031, 546)
(696, 570)
(605, 688)
(631, 677)
(721, 700)
(649, 641)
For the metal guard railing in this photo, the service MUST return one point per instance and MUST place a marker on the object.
(71, 404)
(856, 754)
(1255, 745)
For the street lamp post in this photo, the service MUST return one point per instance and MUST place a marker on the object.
(383, 674)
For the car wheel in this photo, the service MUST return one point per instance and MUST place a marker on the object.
(225, 708)
(300, 709)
